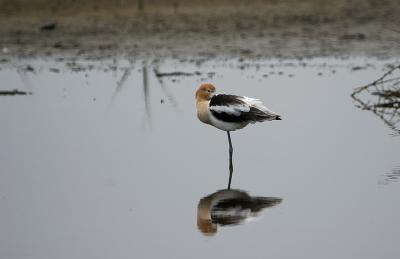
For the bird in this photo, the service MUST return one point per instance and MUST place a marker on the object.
(229, 113)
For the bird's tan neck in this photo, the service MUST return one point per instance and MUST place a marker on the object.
(202, 110)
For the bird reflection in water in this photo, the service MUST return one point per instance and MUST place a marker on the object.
(230, 207)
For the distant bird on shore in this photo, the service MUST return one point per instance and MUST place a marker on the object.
(229, 113)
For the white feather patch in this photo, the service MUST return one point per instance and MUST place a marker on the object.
(256, 103)
(235, 110)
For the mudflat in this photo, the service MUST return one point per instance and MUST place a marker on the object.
(199, 29)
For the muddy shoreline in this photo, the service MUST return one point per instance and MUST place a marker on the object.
(195, 30)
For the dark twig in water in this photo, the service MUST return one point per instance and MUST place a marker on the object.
(159, 74)
(384, 98)
(168, 93)
(13, 92)
(379, 80)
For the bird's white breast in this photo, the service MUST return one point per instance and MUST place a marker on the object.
(205, 115)
(226, 126)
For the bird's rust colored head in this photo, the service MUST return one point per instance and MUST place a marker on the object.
(205, 92)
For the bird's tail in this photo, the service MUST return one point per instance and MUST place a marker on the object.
(264, 115)
(260, 111)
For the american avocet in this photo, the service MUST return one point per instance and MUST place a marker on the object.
(229, 113)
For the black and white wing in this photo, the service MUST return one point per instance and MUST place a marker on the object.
(232, 108)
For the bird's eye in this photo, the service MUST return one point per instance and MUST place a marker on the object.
(209, 90)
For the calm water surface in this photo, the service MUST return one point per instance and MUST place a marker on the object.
(112, 162)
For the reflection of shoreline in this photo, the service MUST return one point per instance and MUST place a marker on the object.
(230, 207)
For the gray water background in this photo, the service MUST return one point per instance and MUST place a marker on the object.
(90, 169)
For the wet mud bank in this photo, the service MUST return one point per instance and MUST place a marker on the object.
(198, 30)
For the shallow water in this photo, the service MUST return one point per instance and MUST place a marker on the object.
(111, 162)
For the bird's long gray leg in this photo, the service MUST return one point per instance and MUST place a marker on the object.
(230, 160)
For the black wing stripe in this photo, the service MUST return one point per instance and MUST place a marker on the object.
(253, 115)
(228, 100)
(225, 100)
